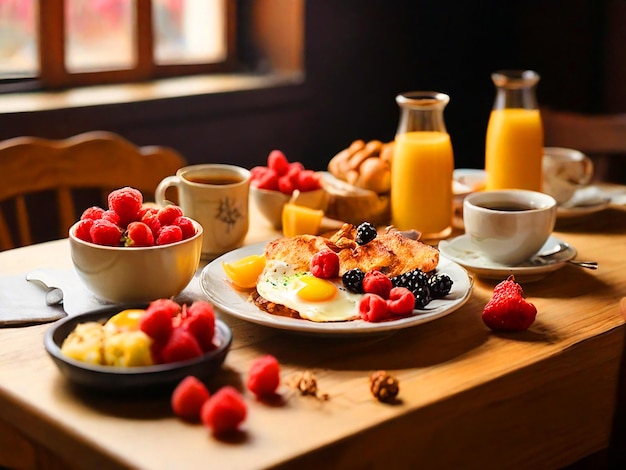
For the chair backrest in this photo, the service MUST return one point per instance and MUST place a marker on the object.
(601, 136)
(93, 160)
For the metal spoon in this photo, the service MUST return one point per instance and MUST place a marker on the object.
(543, 258)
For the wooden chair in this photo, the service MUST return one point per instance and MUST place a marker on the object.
(98, 161)
(602, 137)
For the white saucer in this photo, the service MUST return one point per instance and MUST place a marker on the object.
(461, 251)
(587, 200)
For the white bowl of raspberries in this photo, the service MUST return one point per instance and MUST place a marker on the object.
(281, 181)
(135, 252)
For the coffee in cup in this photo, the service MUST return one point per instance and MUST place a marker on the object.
(564, 171)
(215, 195)
(509, 226)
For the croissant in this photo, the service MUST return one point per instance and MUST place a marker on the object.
(364, 165)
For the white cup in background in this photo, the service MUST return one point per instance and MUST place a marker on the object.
(509, 226)
(564, 171)
(215, 195)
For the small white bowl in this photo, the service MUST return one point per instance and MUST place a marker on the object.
(270, 203)
(509, 226)
(136, 274)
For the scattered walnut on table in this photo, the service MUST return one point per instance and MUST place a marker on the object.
(306, 383)
(384, 387)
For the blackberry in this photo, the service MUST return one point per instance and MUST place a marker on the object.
(422, 297)
(439, 285)
(365, 233)
(413, 279)
(353, 280)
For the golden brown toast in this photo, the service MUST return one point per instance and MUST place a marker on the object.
(391, 252)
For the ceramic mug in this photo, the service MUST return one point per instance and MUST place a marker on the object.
(564, 171)
(509, 226)
(215, 195)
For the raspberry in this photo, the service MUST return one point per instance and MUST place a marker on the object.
(170, 306)
(186, 226)
(439, 285)
(376, 282)
(266, 179)
(104, 232)
(200, 322)
(400, 302)
(139, 234)
(325, 264)
(168, 214)
(125, 202)
(224, 411)
(82, 230)
(286, 185)
(145, 209)
(508, 310)
(180, 346)
(365, 233)
(151, 219)
(169, 234)
(308, 180)
(277, 161)
(353, 280)
(373, 308)
(156, 322)
(188, 397)
(111, 216)
(93, 213)
(264, 376)
(295, 168)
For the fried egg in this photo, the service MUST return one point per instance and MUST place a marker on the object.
(315, 299)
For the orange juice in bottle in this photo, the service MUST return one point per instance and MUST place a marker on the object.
(422, 166)
(514, 143)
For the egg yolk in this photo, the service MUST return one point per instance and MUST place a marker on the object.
(126, 319)
(245, 271)
(316, 289)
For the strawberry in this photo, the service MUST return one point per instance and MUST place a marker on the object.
(508, 310)
(188, 398)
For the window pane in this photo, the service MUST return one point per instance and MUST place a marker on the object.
(18, 39)
(99, 35)
(189, 31)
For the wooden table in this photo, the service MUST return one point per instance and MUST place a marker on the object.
(470, 398)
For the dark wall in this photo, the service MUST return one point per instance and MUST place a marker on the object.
(359, 55)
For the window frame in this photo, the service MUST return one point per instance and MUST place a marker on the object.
(51, 43)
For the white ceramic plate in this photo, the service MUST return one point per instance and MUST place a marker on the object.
(461, 251)
(220, 292)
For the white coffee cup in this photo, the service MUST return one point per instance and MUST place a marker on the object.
(564, 171)
(215, 195)
(509, 226)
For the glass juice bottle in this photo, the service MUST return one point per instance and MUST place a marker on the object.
(514, 144)
(421, 170)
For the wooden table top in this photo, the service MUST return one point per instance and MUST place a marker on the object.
(469, 398)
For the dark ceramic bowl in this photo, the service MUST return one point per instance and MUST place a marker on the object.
(129, 379)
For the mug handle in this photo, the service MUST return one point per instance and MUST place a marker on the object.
(159, 193)
(588, 170)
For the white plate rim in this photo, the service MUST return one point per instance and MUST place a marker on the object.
(496, 270)
(226, 298)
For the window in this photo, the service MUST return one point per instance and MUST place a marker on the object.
(63, 43)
